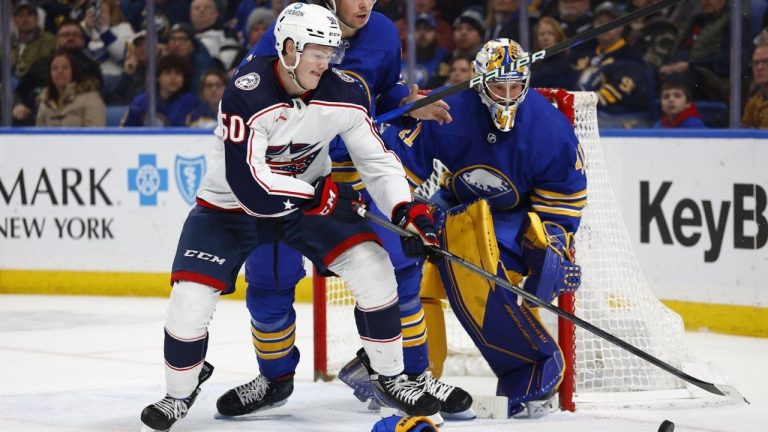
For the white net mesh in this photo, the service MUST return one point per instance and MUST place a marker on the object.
(613, 296)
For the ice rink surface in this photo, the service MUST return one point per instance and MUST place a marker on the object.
(92, 364)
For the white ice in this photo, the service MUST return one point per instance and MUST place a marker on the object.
(92, 364)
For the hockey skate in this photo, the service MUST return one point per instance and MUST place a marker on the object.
(161, 415)
(404, 393)
(533, 409)
(455, 402)
(257, 395)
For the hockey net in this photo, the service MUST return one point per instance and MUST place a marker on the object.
(613, 296)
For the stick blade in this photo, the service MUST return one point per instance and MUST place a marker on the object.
(731, 392)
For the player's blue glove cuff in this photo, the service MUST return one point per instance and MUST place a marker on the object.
(404, 424)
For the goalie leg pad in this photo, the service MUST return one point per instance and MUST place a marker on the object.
(515, 344)
(432, 293)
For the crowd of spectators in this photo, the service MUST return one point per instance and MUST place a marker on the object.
(83, 62)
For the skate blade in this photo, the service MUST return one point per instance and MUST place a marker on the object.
(220, 416)
(467, 414)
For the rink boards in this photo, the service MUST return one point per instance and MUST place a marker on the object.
(99, 212)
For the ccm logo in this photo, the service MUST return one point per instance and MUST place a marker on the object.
(204, 256)
(329, 204)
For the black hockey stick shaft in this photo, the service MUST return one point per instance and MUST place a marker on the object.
(532, 58)
(718, 389)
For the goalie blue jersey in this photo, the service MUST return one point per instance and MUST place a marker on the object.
(537, 166)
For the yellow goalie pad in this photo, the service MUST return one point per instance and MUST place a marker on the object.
(469, 235)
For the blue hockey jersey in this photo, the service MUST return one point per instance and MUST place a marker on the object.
(537, 166)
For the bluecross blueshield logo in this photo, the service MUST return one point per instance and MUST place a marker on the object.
(189, 173)
(148, 179)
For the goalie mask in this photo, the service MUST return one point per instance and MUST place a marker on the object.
(504, 93)
(307, 24)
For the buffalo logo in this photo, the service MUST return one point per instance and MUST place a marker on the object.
(248, 82)
(485, 181)
(189, 174)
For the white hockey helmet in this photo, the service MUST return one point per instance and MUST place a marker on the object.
(306, 24)
(495, 54)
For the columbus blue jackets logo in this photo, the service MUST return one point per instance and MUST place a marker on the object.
(248, 82)
(296, 157)
(478, 181)
(189, 174)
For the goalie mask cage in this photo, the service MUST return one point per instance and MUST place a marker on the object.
(613, 296)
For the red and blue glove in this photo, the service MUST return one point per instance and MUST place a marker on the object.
(336, 200)
(415, 217)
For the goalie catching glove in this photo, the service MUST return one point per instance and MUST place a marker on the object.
(415, 217)
(549, 255)
(337, 200)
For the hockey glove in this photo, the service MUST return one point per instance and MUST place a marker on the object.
(415, 217)
(337, 200)
(550, 257)
(404, 424)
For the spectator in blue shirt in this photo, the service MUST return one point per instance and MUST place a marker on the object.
(174, 99)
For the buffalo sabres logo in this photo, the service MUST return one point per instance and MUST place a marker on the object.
(248, 82)
(189, 174)
(292, 158)
(483, 181)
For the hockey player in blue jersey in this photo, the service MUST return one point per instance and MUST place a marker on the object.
(371, 55)
(270, 182)
(514, 192)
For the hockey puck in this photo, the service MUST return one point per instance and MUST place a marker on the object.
(667, 426)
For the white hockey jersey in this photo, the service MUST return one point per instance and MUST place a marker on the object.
(271, 148)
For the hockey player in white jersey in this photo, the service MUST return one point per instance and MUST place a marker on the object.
(269, 181)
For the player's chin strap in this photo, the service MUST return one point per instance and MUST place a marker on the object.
(718, 389)
(292, 69)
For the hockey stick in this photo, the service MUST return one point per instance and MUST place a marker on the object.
(537, 56)
(718, 389)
